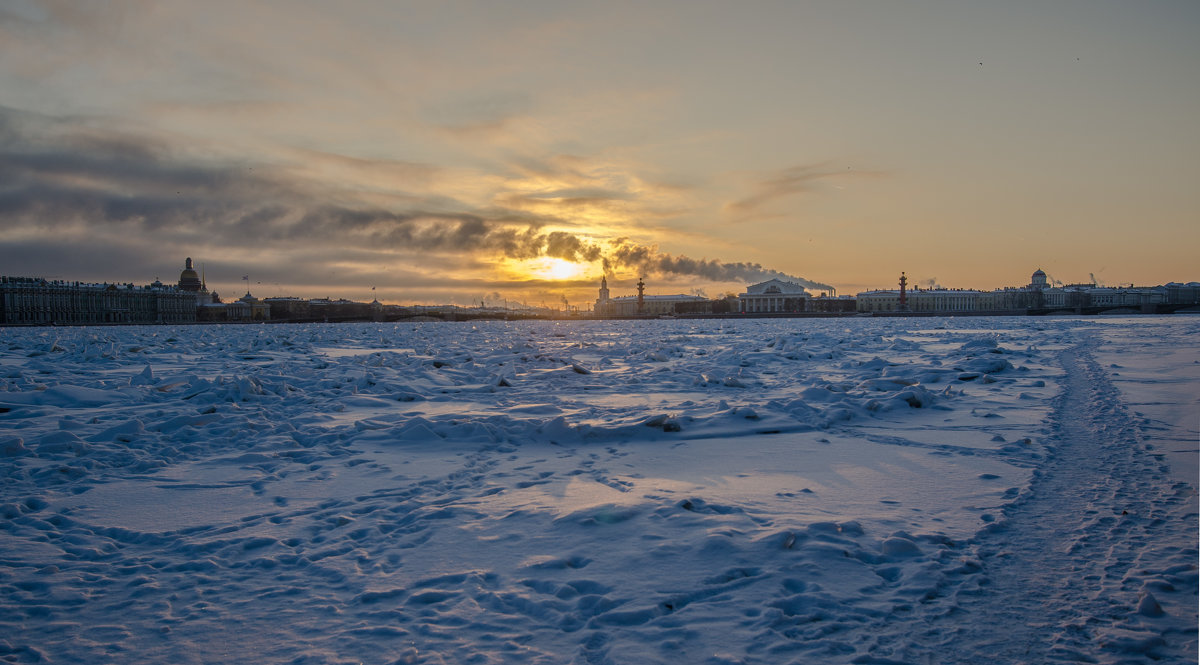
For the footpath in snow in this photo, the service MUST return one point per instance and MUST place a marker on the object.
(1075, 570)
(760, 491)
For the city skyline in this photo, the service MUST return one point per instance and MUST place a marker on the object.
(466, 151)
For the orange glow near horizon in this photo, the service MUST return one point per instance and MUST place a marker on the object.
(548, 268)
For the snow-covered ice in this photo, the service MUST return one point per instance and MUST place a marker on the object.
(918, 490)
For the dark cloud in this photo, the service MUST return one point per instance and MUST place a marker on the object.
(312, 272)
(566, 246)
(55, 172)
(91, 260)
(125, 190)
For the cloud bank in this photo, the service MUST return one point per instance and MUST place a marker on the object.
(67, 176)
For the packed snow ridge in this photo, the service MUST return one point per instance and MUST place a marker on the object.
(758, 491)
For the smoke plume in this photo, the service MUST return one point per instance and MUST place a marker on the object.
(650, 260)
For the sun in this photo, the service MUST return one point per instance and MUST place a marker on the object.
(546, 269)
(555, 269)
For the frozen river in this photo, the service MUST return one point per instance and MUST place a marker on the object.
(728, 491)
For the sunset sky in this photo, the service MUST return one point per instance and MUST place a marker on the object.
(467, 151)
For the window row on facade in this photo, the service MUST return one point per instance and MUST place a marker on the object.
(38, 302)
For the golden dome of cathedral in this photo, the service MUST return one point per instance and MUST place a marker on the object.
(188, 279)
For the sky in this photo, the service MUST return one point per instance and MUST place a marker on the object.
(515, 152)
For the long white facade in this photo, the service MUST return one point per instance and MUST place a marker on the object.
(1038, 295)
(922, 300)
(34, 301)
(651, 305)
(644, 305)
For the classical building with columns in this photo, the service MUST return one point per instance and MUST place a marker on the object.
(773, 296)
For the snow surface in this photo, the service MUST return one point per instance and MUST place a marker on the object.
(736, 491)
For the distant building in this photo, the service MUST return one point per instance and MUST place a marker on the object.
(324, 309)
(33, 301)
(1077, 296)
(953, 301)
(880, 300)
(1038, 296)
(193, 283)
(248, 308)
(773, 296)
(832, 305)
(644, 305)
(289, 309)
(655, 305)
(1183, 293)
(188, 279)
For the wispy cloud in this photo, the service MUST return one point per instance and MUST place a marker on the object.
(474, 116)
(794, 181)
